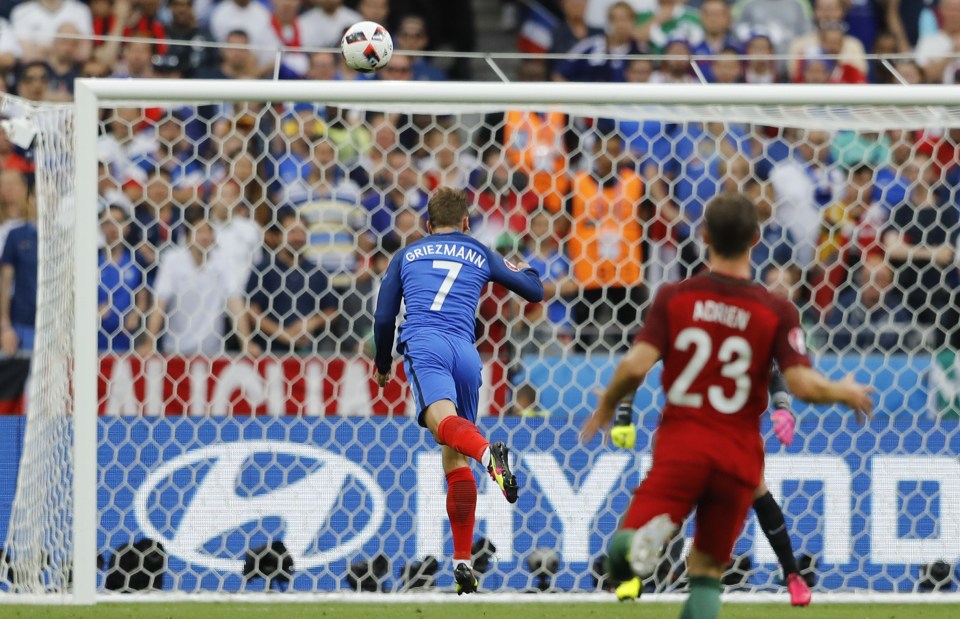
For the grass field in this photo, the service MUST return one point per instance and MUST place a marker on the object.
(467, 610)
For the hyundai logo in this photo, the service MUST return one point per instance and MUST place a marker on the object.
(196, 502)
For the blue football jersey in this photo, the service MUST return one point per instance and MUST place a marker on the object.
(440, 279)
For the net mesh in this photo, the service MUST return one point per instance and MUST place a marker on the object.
(243, 446)
(38, 547)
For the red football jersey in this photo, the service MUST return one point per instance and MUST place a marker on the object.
(718, 337)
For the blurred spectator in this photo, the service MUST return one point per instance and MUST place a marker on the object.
(783, 281)
(412, 36)
(384, 139)
(726, 68)
(33, 81)
(15, 201)
(452, 26)
(251, 18)
(573, 28)
(64, 66)
(400, 68)
(541, 250)
(290, 299)
(934, 50)
(13, 159)
(127, 143)
(323, 66)
(36, 22)
(323, 25)
(921, 243)
(10, 51)
(760, 70)
(183, 26)
(526, 402)
(830, 38)
(239, 237)
(536, 144)
(671, 20)
(842, 56)
(675, 67)
(781, 21)
(890, 184)
(395, 188)
(377, 11)
(717, 33)
(193, 291)
(502, 199)
(847, 231)
(908, 19)
(18, 286)
(884, 45)
(605, 245)
(328, 204)
(122, 295)
(136, 60)
(851, 149)
(158, 222)
(804, 183)
(618, 40)
(912, 74)
(237, 63)
(863, 20)
(775, 247)
(597, 11)
(288, 32)
(870, 315)
(447, 164)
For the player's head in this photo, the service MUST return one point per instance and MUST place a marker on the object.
(199, 231)
(731, 225)
(447, 208)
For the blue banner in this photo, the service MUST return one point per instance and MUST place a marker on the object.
(872, 504)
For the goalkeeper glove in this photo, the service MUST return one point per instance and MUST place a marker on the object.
(784, 425)
(629, 590)
(624, 433)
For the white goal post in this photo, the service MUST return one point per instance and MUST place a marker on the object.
(829, 107)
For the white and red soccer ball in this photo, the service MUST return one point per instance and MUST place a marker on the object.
(366, 47)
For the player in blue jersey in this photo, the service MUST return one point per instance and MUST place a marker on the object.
(440, 279)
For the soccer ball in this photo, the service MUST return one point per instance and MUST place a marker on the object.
(366, 46)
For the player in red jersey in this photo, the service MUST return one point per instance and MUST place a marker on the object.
(718, 334)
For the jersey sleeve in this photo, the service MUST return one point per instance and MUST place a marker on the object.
(655, 331)
(385, 317)
(790, 346)
(525, 283)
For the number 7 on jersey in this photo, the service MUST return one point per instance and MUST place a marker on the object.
(453, 270)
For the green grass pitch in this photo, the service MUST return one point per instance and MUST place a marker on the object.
(468, 610)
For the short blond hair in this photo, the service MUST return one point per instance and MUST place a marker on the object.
(447, 207)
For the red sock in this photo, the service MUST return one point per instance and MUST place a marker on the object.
(461, 435)
(461, 509)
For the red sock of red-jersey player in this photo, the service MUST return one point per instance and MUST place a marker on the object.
(461, 508)
(461, 435)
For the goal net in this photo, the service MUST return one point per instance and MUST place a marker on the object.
(236, 233)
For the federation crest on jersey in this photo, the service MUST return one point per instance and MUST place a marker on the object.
(798, 340)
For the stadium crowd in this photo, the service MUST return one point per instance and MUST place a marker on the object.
(263, 228)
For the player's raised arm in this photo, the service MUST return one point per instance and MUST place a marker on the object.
(523, 280)
(385, 320)
(630, 373)
(811, 386)
(806, 383)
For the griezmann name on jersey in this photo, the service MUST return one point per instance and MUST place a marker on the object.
(440, 279)
(718, 337)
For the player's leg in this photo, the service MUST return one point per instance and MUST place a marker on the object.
(430, 369)
(774, 527)
(461, 509)
(468, 378)
(721, 511)
(657, 508)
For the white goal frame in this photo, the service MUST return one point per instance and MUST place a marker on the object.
(90, 94)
